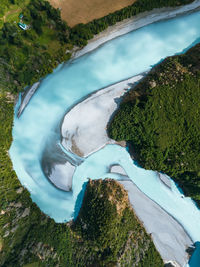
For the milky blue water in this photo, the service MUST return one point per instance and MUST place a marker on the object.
(39, 124)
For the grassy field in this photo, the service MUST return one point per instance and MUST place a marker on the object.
(12, 15)
(73, 13)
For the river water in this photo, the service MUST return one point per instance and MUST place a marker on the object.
(39, 124)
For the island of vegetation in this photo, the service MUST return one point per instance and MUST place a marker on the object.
(160, 120)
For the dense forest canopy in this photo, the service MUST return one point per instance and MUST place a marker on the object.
(109, 230)
(160, 120)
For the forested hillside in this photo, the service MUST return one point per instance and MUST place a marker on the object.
(160, 120)
(29, 236)
(107, 232)
(28, 55)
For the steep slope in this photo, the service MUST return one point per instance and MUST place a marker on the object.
(108, 232)
(29, 236)
(160, 120)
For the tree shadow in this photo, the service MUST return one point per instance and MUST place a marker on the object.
(179, 53)
(79, 200)
(195, 258)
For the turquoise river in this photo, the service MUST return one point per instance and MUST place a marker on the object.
(38, 128)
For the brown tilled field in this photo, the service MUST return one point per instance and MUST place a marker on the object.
(83, 11)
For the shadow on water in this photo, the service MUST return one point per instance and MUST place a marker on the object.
(79, 200)
(195, 258)
(53, 156)
(197, 41)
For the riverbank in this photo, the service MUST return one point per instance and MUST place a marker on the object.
(84, 131)
(84, 128)
(134, 23)
(121, 28)
(64, 90)
(169, 237)
(26, 97)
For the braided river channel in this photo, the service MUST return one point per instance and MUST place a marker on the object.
(38, 129)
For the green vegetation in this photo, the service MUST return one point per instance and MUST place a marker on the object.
(83, 32)
(30, 238)
(160, 120)
(8, 5)
(26, 56)
(109, 231)
(27, 236)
